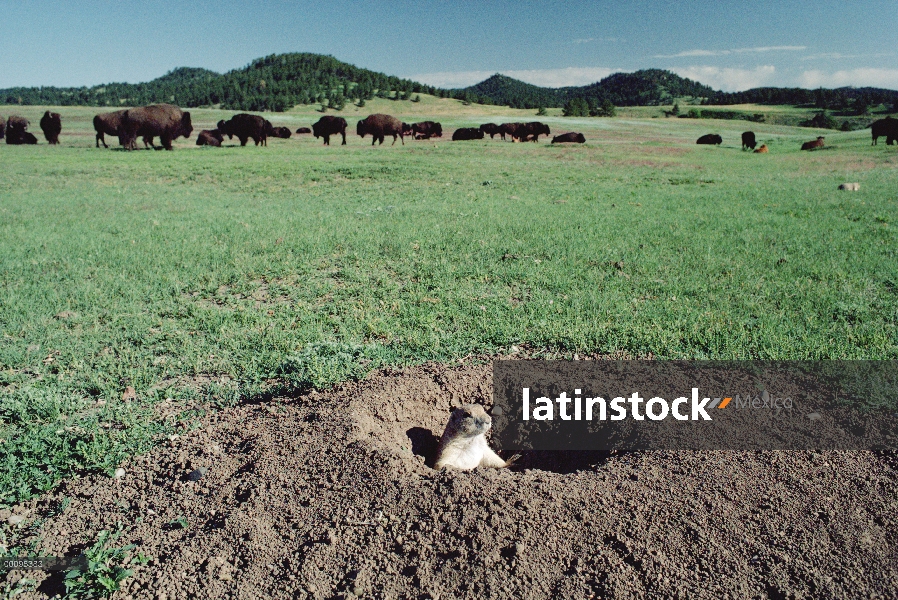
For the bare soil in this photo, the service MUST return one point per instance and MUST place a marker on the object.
(329, 495)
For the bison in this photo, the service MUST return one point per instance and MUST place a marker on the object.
(307, 130)
(209, 137)
(16, 122)
(748, 140)
(163, 120)
(281, 132)
(818, 143)
(493, 129)
(531, 131)
(887, 127)
(407, 129)
(327, 126)
(16, 137)
(510, 129)
(467, 133)
(426, 130)
(51, 125)
(245, 126)
(574, 138)
(711, 138)
(2, 128)
(762, 150)
(380, 126)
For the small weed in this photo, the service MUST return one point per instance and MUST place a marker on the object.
(106, 568)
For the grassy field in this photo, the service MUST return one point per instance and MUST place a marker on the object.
(209, 276)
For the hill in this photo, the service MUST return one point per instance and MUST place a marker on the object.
(274, 83)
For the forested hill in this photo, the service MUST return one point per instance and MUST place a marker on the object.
(281, 81)
(276, 82)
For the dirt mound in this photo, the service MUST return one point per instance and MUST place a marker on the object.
(328, 495)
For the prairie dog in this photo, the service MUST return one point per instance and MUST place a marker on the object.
(463, 444)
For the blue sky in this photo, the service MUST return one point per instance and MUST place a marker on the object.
(730, 45)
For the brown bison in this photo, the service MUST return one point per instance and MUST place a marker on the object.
(380, 126)
(818, 143)
(109, 124)
(2, 128)
(163, 120)
(565, 138)
(762, 150)
(281, 132)
(209, 137)
(887, 127)
(307, 130)
(531, 131)
(407, 129)
(467, 133)
(16, 122)
(17, 137)
(327, 126)
(510, 129)
(244, 126)
(426, 130)
(748, 140)
(492, 129)
(51, 125)
(711, 139)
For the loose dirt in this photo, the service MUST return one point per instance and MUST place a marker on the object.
(329, 495)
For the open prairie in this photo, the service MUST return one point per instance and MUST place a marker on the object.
(209, 280)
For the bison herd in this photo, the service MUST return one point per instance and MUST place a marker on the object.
(168, 122)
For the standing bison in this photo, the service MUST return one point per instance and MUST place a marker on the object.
(51, 125)
(748, 140)
(887, 127)
(818, 143)
(711, 139)
(379, 126)
(492, 129)
(426, 130)
(531, 131)
(108, 124)
(327, 126)
(467, 133)
(245, 126)
(209, 137)
(569, 138)
(510, 129)
(163, 120)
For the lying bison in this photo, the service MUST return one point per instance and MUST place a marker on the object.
(244, 126)
(492, 129)
(467, 133)
(762, 150)
(379, 126)
(887, 127)
(426, 130)
(16, 122)
(748, 140)
(209, 137)
(164, 120)
(407, 129)
(711, 139)
(51, 125)
(327, 126)
(280, 132)
(17, 137)
(818, 143)
(569, 138)
(305, 130)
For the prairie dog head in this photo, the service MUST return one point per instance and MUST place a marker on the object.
(469, 420)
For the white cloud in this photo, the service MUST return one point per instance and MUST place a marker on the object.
(542, 77)
(729, 79)
(754, 50)
(870, 76)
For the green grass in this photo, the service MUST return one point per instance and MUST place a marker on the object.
(217, 274)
